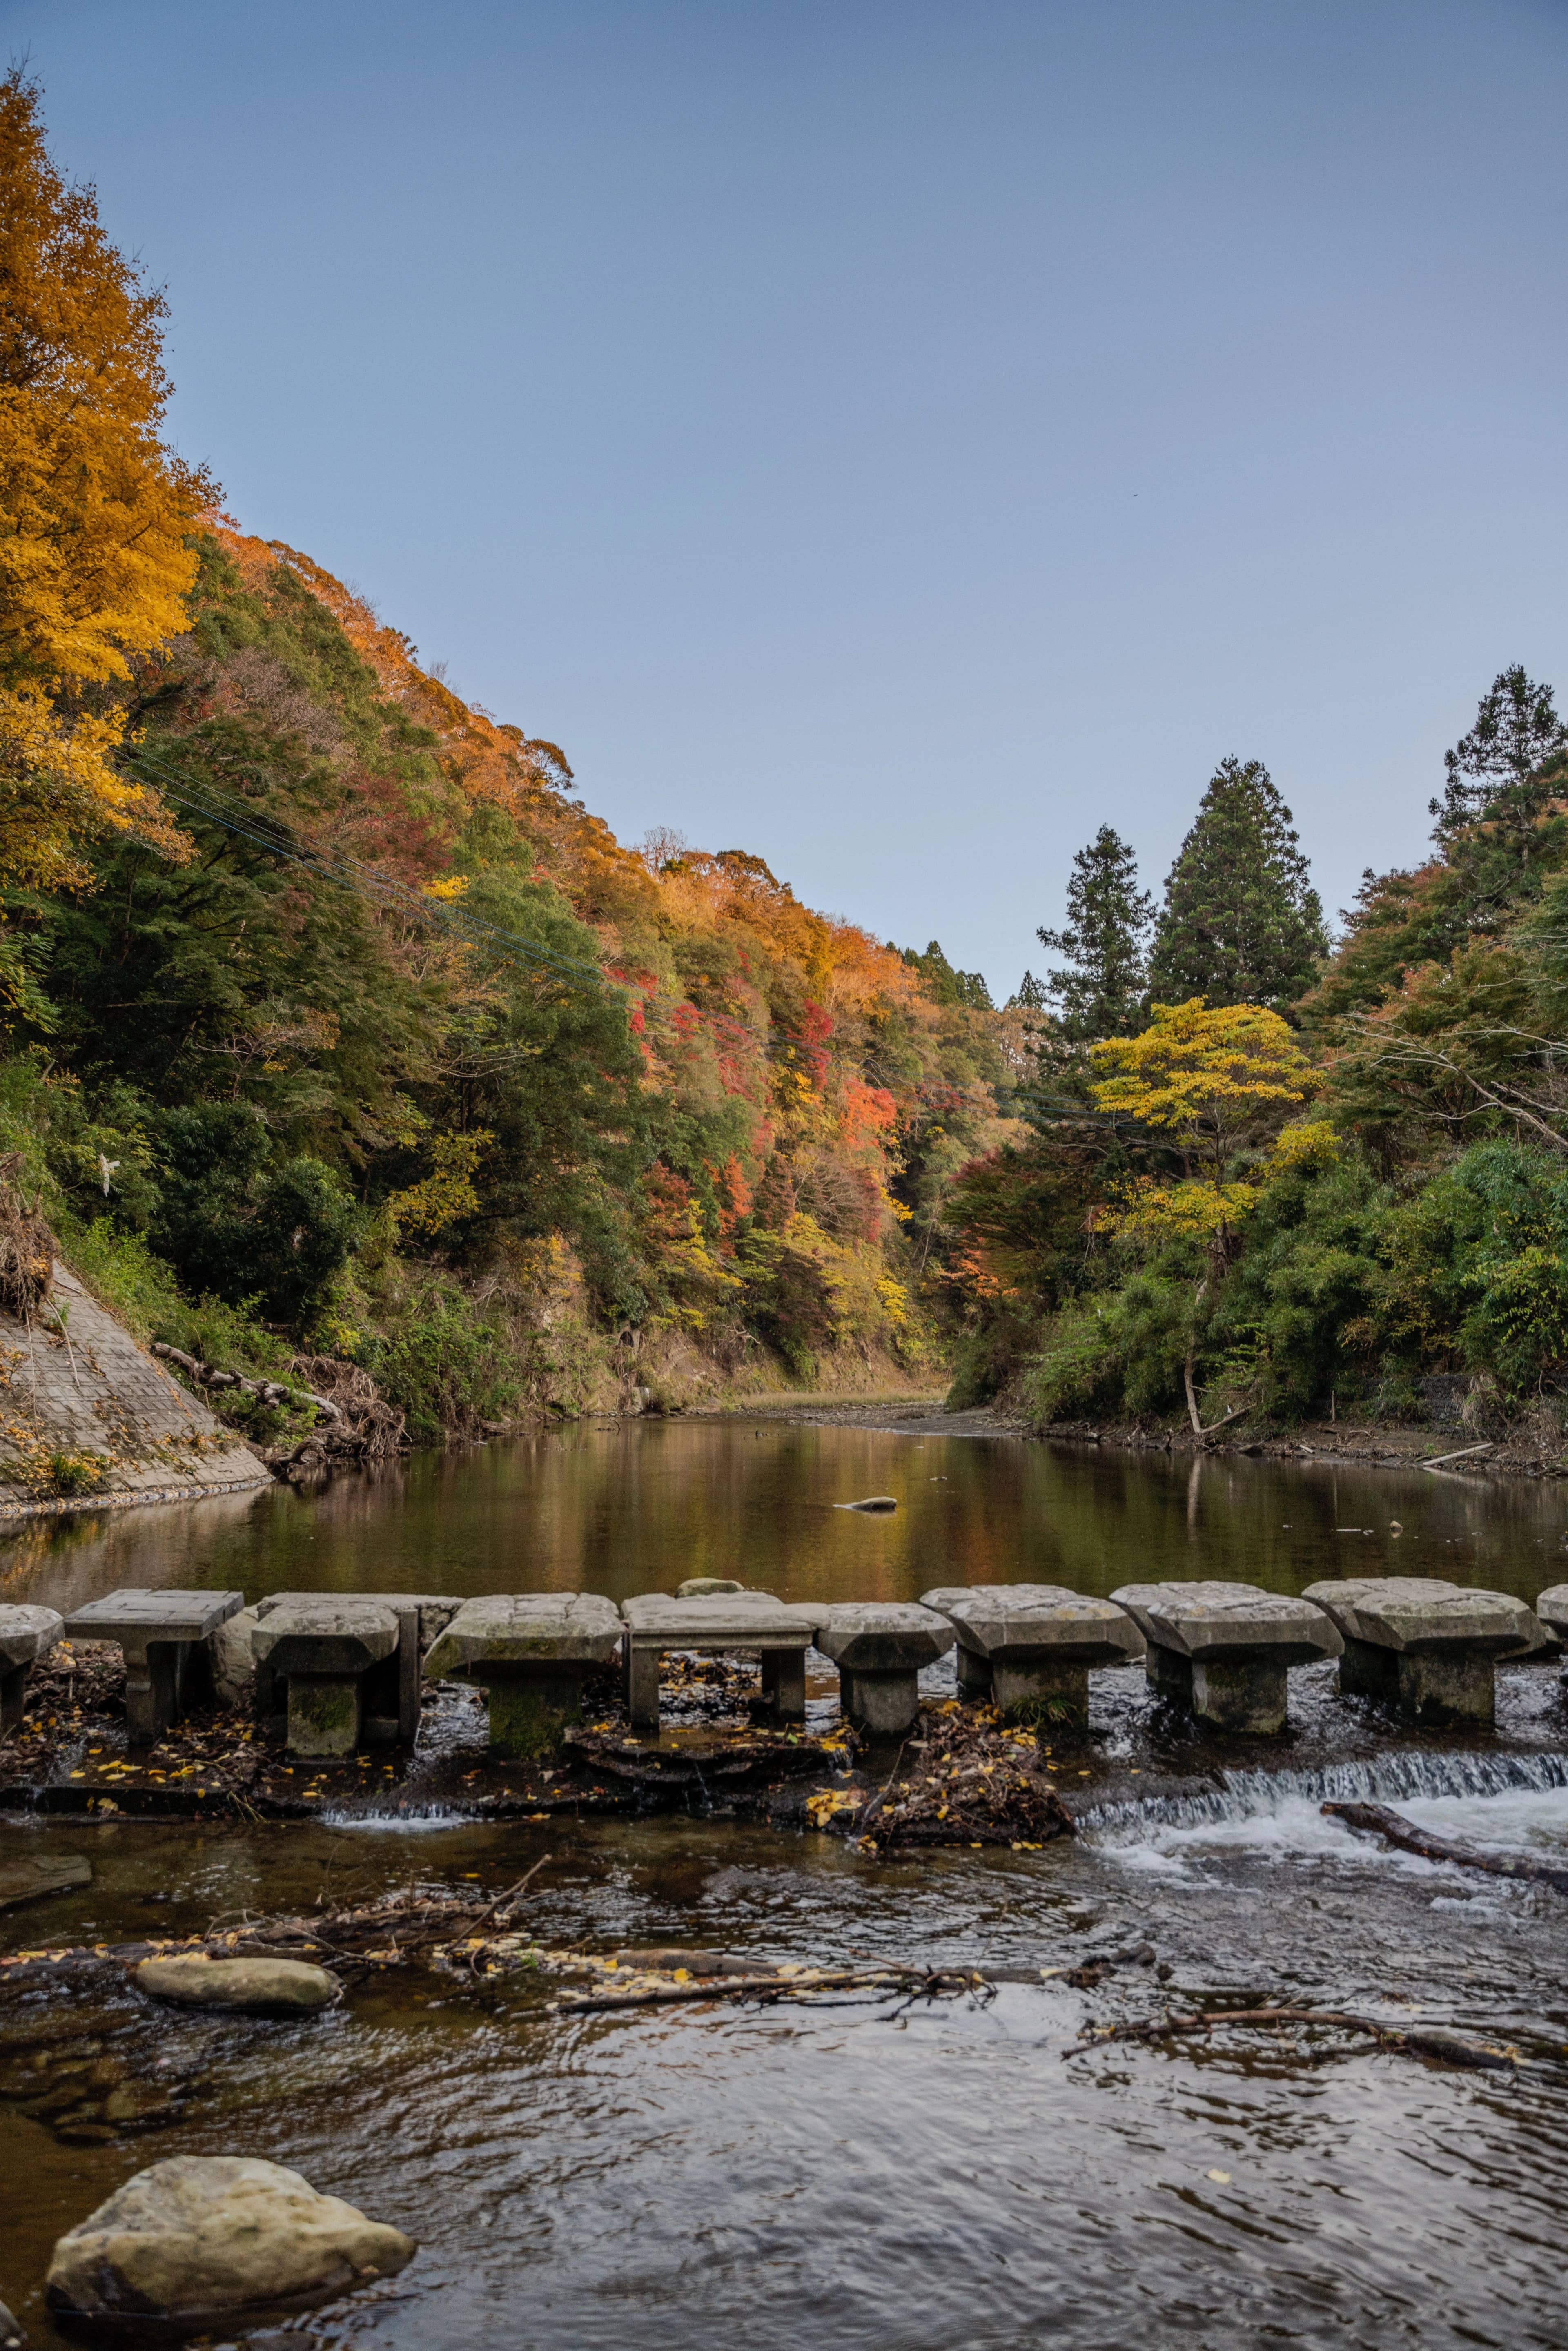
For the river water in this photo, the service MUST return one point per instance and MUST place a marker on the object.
(873, 2176)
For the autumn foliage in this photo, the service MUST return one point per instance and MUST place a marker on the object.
(95, 560)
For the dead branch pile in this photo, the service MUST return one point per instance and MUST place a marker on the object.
(26, 1244)
(358, 1423)
(413, 1925)
(787, 1982)
(367, 1425)
(77, 1684)
(964, 1779)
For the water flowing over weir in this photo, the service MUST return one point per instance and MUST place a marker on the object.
(874, 2174)
(1393, 1779)
(1495, 1803)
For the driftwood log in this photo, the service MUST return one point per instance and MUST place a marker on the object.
(1377, 1820)
(1406, 2040)
(272, 1392)
(798, 1983)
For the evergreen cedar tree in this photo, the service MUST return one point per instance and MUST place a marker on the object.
(1102, 990)
(946, 985)
(95, 560)
(1497, 765)
(1241, 923)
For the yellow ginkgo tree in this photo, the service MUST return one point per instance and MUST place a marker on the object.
(96, 514)
(1210, 1080)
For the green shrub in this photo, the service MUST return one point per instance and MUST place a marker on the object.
(238, 1223)
(1478, 1269)
(446, 1363)
(1079, 1368)
(121, 1270)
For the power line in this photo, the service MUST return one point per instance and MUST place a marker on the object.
(356, 874)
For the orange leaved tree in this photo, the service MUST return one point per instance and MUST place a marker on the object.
(95, 512)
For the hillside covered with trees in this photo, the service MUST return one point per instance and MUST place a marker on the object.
(341, 1041)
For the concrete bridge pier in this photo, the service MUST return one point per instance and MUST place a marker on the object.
(530, 1653)
(1428, 1647)
(1029, 1647)
(27, 1633)
(1223, 1651)
(879, 1648)
(162, 1637)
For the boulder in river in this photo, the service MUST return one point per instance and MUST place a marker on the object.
(11, 2335)
(198, 2237)
(262, 1986)
(871, 1502)
(703, 1587)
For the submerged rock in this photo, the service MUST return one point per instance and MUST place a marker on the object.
(704, 1587)
(11, 2335)
(871, 1502)
(28, 1880)
(264, 1987)
(200, 2236)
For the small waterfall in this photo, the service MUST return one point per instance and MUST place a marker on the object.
(1501, 1803)
(413, 1817)
(1397, 1779)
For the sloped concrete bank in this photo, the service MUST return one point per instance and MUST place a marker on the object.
(89, 1422)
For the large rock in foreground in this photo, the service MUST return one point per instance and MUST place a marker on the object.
(207, 2236)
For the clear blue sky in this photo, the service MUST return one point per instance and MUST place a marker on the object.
(892, 438)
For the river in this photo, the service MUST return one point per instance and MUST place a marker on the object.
(875, 2176)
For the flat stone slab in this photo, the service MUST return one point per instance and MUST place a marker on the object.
(713, 1626)
(436, 1609)
(325, 1635)
(139, 1614)
(1213, 1619)
(1010, 1624)
(871, 1636)
(1409, 1614)
(27, 1633)
(1552, 1608)
(737, 1620)
(564, 1628)
(941, 1596)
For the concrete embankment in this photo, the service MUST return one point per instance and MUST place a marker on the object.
(87, 1420)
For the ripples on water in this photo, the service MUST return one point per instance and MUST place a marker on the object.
(878, 2178)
